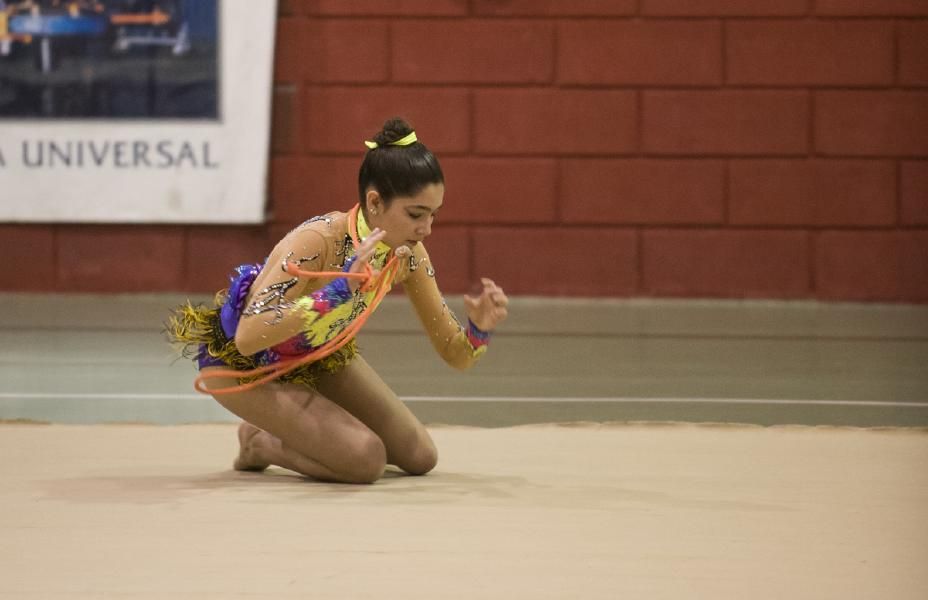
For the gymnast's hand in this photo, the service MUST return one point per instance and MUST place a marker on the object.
(487, 310)
(363, 255)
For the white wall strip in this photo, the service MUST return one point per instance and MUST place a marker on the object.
(618, 400)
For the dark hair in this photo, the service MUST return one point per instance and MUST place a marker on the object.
(397, 170)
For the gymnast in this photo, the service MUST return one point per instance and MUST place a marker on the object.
(277, 349)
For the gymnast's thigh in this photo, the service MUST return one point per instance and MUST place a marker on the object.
(360, 390)
(302, 418)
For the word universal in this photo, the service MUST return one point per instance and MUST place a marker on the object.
(119, 154)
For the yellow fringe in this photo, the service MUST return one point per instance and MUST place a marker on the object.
(190, 326)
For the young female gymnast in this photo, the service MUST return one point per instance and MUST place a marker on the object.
(278, 351)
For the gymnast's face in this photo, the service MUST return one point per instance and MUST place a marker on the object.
(407, 219)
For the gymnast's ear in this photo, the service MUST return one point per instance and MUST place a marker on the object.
(373, 202)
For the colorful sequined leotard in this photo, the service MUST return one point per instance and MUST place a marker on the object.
(288, 316)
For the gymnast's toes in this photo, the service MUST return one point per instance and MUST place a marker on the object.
(248, 459)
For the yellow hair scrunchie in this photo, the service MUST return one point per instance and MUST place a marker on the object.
(403, 141)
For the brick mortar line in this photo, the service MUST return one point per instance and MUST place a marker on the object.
(641, 227)
(555, 85)
(808, 15)
(631, 156)
(707, 226)
(642, 18)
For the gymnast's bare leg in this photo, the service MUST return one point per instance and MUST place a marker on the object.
(300, 429)
(359, 389)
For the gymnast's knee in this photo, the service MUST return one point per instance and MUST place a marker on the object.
(422, 460)
(368, 459)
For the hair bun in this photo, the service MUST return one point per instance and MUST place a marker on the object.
(394, 129)
(396, 164)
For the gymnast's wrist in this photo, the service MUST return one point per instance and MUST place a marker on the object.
(476, 336)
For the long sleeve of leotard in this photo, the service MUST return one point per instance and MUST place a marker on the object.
(460, 346)
(284, 309)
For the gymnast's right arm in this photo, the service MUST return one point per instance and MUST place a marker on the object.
(281, 307)
(276, 307)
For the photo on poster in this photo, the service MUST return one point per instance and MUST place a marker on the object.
(109, 59)
(135, 111)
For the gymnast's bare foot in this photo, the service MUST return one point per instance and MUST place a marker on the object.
(247, 459)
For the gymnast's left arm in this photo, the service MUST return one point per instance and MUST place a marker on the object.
(459, 345)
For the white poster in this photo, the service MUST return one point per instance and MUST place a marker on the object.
(135, 111)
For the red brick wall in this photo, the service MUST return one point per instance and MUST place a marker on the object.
(694, 148)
